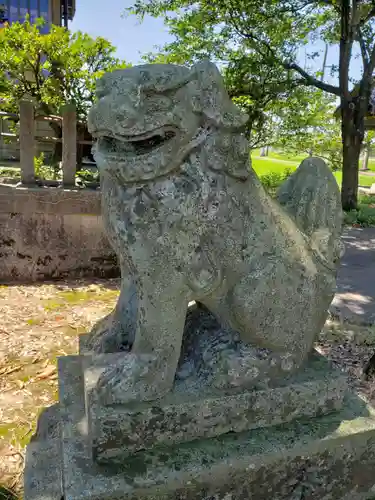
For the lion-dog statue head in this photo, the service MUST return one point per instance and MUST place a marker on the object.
(150, 118)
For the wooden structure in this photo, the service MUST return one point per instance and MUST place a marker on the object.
(28, 139)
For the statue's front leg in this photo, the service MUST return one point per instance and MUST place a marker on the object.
(115, 332)
(148, 372)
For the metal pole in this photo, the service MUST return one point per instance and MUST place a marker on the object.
(324, 62)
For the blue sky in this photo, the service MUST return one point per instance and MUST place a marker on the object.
(132, 39)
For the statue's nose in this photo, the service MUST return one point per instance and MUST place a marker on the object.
(126, 115)
(128, 110)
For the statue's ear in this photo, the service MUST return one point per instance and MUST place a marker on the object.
(210, 97)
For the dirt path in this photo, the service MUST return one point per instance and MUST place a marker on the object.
(38, 324)
(355, 298)
(41, 322)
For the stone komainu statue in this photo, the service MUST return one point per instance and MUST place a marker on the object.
(190, 220)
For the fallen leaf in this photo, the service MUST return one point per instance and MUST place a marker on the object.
(47, 372)
(8, 371)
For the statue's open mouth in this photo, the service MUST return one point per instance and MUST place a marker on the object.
(111, 144)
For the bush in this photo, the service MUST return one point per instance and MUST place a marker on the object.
(46, 172)
(272, 180)
(88, 176)
(364, 216)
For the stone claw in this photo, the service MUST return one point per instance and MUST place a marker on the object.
(132, 378)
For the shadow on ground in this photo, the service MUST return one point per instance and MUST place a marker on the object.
(7, 494)
(355, 297)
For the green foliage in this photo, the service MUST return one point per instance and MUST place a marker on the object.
(86, 176)
(273, 180)
(54, 69)
(364, 215)
(38, 163)
(259, 46)
(46, 172)
(309, 127)
(253, 42)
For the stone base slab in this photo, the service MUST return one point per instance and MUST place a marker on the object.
(190, 413)
(330, 457)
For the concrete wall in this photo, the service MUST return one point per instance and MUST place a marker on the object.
(52, 233)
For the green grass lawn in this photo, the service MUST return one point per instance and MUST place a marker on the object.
(274, 169)
(272, 165)
(371, 164)
(264, 166)
(279, 155)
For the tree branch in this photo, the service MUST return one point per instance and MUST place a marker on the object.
(312, 81)
(308, 79)
(370, 14)
(363, 47)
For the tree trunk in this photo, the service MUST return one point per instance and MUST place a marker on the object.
(351, 146)
(349, 189)
(352, 130)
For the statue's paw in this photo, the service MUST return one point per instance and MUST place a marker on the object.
(132, 378)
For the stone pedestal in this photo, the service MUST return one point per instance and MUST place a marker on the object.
(319, 445)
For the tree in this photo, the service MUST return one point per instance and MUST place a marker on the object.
(253, 39)
(53, 69)
(309, 126)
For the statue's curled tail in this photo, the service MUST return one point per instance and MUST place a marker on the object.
(311, 196)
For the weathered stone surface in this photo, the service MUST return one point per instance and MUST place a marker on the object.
(199, 406)
(48, 425)
(190, 220)
(223, 400)
(52, 233)
(325, 458)
(43, 470)
(270, 464)
(43, 461)
(192, 412)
